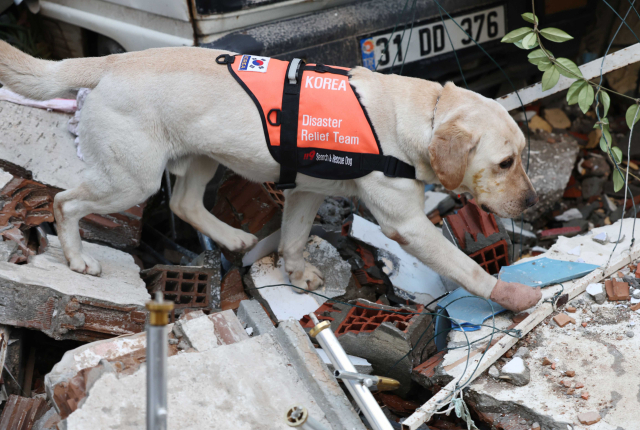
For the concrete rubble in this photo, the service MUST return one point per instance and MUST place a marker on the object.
(73, 347)
(271, 370)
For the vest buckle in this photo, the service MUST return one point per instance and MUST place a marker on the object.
(225, 59)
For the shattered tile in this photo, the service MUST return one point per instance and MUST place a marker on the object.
(563, 319)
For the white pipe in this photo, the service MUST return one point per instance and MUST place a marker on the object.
(363, 397)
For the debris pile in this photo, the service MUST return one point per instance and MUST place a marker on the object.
(73, 346)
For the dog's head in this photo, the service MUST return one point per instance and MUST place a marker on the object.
(476, 148)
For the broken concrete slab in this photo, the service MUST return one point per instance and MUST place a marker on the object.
(46, 295)
(41, 132)
(411, 278)
(280, 299)
(70, 380)
(602, 360)
(270, 370)
(271, 385)
(548, 175)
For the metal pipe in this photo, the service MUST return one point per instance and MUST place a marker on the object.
(157, 363)
(363, 397)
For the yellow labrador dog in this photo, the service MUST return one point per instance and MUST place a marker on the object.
(176, 107)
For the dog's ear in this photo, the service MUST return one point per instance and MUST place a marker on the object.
(449, 153)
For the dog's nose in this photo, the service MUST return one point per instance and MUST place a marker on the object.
(531, 199)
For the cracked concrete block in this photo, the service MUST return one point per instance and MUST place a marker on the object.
(257, 369)
(46, 295)
(548, 175)
(598, 293)
(280, 300)
(516, 371)
(252, 314)
(394, 344)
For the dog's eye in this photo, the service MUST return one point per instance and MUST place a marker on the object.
(506, 163)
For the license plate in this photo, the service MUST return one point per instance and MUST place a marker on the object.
(431, 40)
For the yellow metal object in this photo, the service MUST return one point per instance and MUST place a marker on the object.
(317, 329)
(387, 384)
(159, 312)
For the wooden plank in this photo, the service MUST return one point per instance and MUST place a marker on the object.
(534, 92)
(440, 399)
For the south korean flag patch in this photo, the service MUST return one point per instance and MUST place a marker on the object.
(251, 63)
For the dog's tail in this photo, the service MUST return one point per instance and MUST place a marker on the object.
(42, 79)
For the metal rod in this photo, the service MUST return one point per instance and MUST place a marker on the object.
(157, 363)
(338, 357)
(298, 416)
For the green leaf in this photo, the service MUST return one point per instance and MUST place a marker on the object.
(605, 140)
(516, 35)
(574, 91)
(585, 98)
(569, 68)
(555, 34)
(631, 113)
(536, 56)
(529, 41)
(519, 44)
(544, 65)
(529, 17)
(550, 78)
(618, 180)
(606, 101)
(617, 154)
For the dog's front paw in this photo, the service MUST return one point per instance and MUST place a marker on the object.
(515, 297)
(239, 241)
(309, 280)
(85, 264)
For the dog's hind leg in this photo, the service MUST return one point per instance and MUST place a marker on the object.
(101, 197)
(300, 209)
(192, 177)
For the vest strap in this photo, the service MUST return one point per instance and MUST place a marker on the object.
(390, 166)
(321, 68)
(289, 126)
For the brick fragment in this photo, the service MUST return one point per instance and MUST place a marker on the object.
(570, 391)
(570, 309)
(579, 385)
(585, 395)
(570, 373)
(546, 361)
(635, 307)
(584, 324)
(563, 319)
(566, 384)
(588, 418)
(617, 291)
(553, 366)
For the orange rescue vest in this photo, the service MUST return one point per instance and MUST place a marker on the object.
(313, 120)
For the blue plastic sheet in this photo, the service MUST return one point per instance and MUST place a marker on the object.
(545, 271)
